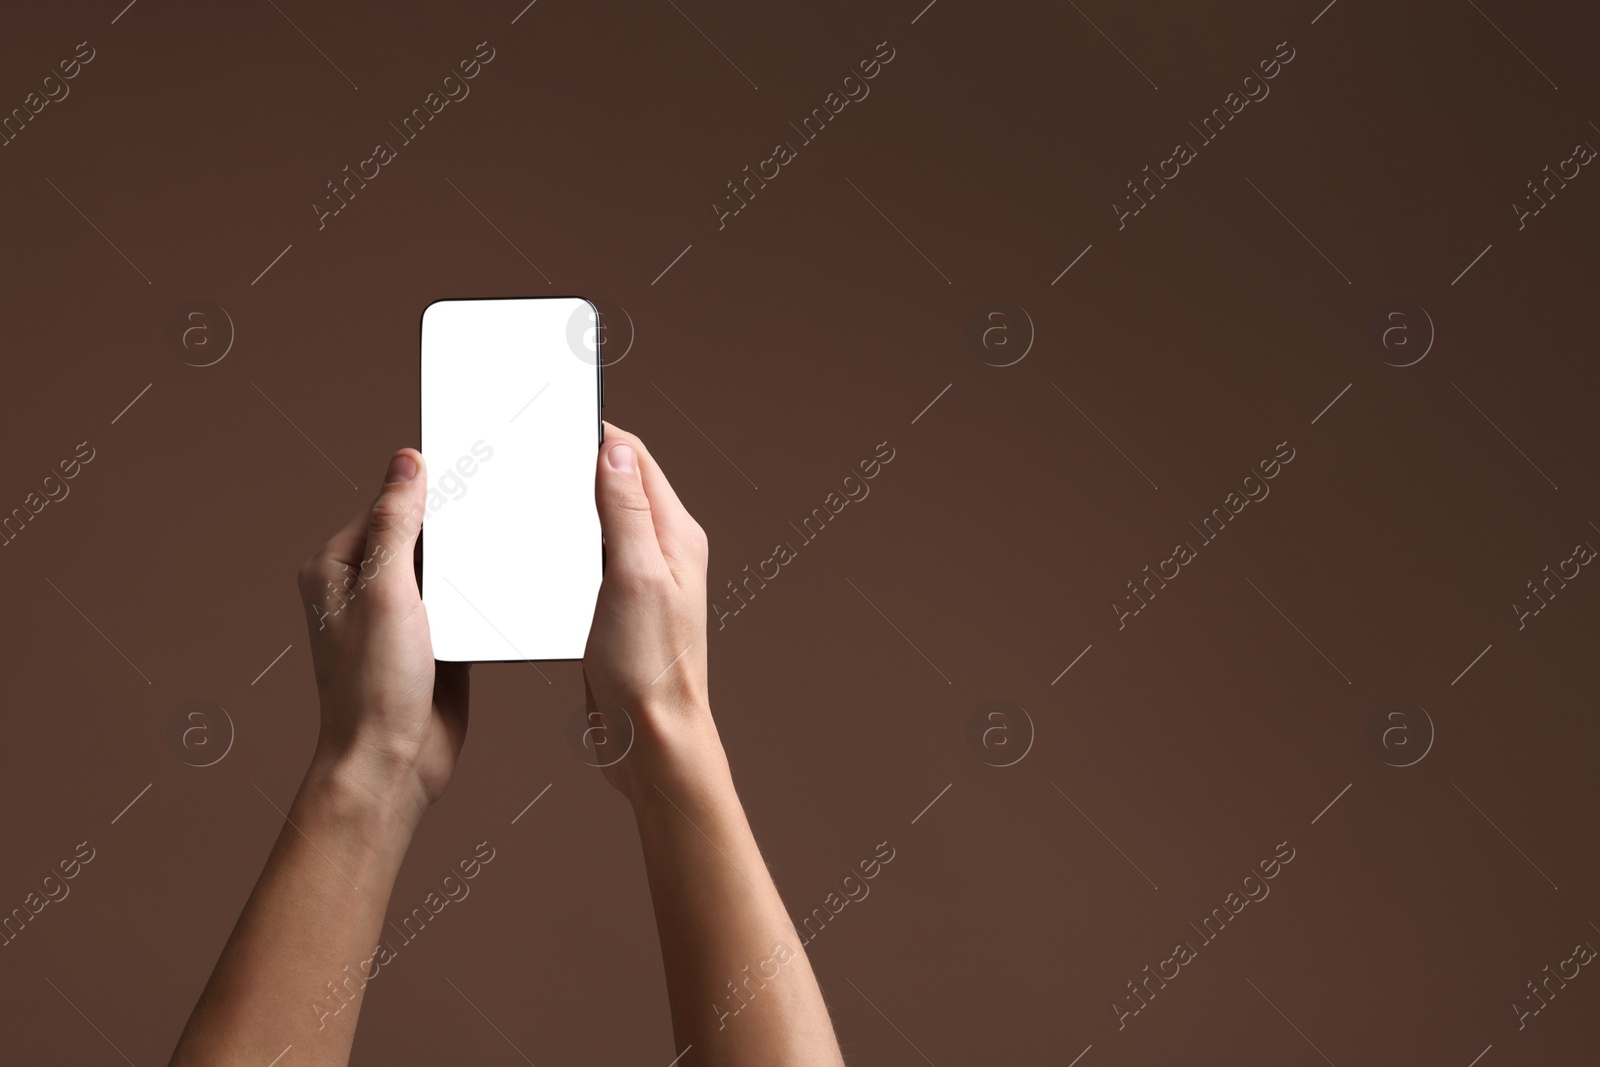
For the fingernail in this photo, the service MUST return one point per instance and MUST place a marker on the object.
(621, 458)
(402, 468)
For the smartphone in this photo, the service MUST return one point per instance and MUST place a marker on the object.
(511, 550)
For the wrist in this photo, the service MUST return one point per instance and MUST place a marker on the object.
(676, 751)
(372, 791)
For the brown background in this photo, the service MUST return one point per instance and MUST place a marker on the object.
(797, 338)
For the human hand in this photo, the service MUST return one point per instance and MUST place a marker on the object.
(391, 716)
(647, 645)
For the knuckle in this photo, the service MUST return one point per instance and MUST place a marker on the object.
(632, 498)
(391, 511)
(656, 582)
(689, 542)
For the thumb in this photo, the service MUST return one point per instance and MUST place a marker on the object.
(625, 519)
(394, 523)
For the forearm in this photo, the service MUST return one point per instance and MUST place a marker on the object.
(292, 970)
(740, 986)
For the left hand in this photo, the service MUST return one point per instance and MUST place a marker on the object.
(390, 714)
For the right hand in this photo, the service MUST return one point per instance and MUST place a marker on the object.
(647, 643)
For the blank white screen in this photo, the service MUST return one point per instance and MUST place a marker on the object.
(510, 431)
